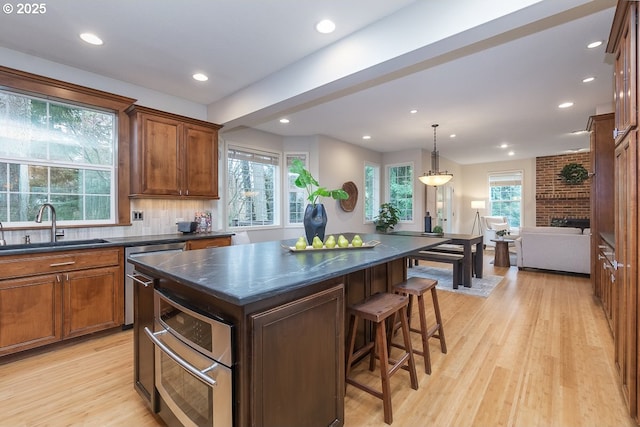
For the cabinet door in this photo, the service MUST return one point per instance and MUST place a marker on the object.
(92, 300)
(298, 363)
(30, 312)
(625, 76)
(200, 162)
(161, 161)
(626, 304)
(143, 354)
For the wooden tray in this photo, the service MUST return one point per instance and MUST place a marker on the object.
(365, 245)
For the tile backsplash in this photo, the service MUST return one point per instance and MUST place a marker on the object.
(159, 217)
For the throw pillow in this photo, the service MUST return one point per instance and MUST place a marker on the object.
(500, 226)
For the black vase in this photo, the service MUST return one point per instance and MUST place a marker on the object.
(315, 221)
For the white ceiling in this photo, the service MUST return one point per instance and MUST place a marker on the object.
(491, 72)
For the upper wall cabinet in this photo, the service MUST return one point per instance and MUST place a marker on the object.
(622, 43)
(172, 156)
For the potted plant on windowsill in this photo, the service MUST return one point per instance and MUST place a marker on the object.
(315, 216)
(387, 217)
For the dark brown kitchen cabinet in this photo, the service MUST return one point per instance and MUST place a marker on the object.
(286, 340)
(623, 45)
(602, 147)
(172, 156)
(50, 297)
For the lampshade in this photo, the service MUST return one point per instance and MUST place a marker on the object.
(435, 179)
(477, 204)
(434, 176)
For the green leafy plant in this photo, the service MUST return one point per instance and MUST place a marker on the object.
(310, 184)
(387, 217)
(574, 173)
(437, 229)
(501, 233)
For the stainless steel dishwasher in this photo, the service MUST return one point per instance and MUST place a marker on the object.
(135, 251)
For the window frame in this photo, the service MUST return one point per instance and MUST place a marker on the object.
(287, 190)
(57, 90)
(51, 164)
(413, 189)
(277, 186)
(508, 174)
(376, 193)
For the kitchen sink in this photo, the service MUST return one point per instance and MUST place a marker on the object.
(63, 243)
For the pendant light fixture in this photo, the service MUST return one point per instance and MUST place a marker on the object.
(434, 176)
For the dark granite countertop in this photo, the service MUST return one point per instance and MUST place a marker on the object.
(244, 274)
(67, 245)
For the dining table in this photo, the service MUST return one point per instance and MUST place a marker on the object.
(467, 241)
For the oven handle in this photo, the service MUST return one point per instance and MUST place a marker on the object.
(180, 361)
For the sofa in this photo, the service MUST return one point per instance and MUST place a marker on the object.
(565, 249)
(491, 224)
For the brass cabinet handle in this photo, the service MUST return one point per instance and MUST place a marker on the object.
(60, 264)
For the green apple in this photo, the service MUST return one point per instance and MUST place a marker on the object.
(317, 243)
(343, 242)
(356, 241)
(330, 242)
(301, 244)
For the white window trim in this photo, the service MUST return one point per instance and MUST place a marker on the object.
(285, 187)
(387, 188)
(364, 179)
(277, 217)
(522, 199)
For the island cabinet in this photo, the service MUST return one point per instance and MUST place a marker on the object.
(287, 312)
(50, 297)
(172, 156)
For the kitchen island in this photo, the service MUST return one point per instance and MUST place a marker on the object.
(287, 313)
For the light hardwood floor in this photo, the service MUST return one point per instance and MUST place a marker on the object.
(537, 352)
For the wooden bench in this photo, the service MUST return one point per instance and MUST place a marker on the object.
(456, 249)
(445, 257)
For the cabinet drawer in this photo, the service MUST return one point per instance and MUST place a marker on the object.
(29, 265)
(208, 243)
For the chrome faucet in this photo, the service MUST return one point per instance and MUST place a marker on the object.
(2, 241)
(53, 219)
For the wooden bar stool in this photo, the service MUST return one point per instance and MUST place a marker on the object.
(377, 309)
(417, 286)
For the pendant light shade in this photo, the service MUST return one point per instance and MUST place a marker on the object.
(434, 176)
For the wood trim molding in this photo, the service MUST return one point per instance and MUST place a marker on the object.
(48, 87)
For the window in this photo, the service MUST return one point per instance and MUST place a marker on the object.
(252, 181)
(296, 197)
(56, 152)
(371, 191)
(506, 196)
(401, 190)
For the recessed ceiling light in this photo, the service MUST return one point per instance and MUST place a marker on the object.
(503, 145)
(366, 137)
(91, 39)
(588, 79)
(511, 153)
(325, 26)
(413, 111)
(594, 44)
(284, 121)
(566, 105)
(200, 77)
(453, 135)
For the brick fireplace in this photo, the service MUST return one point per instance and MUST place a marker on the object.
(555, 198)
